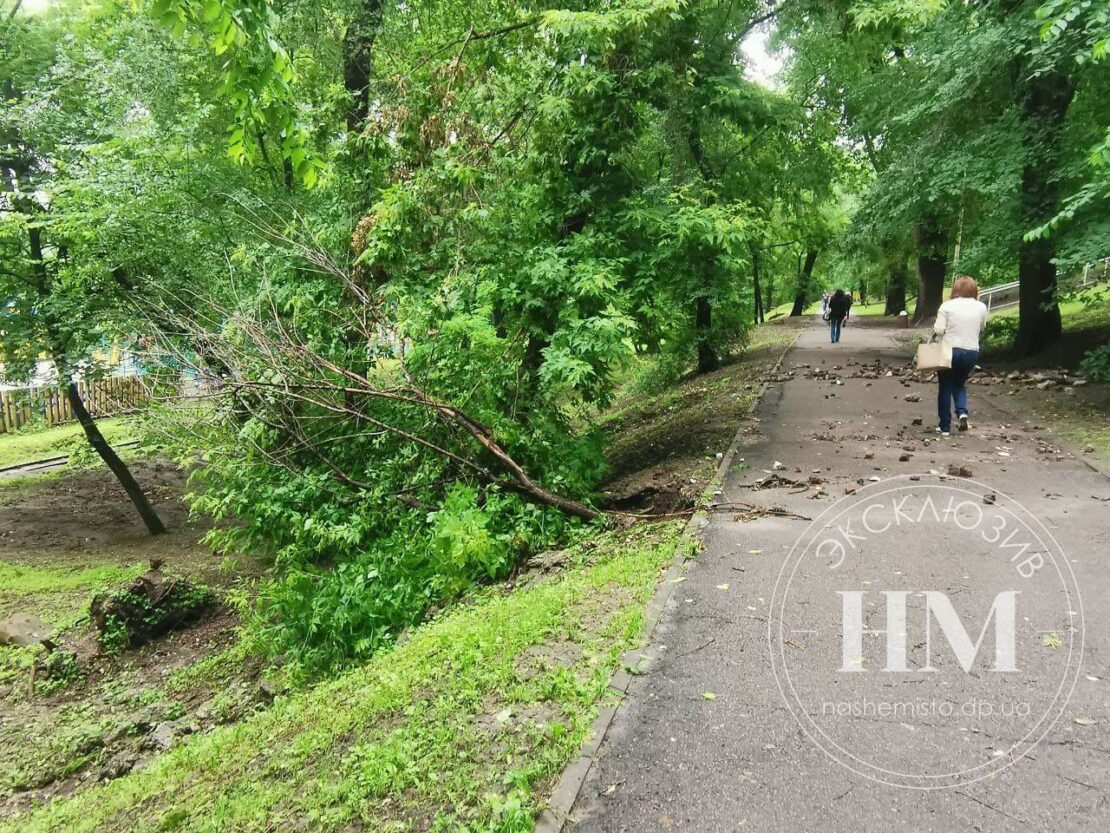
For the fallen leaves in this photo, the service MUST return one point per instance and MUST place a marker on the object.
(1052, 640)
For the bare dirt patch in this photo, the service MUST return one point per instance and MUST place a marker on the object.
(98, 714)
(64, 518)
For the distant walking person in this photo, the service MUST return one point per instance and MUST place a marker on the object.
(959, 323)
(824, 303)
(838, 309)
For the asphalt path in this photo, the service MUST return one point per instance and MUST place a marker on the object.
(788, 695)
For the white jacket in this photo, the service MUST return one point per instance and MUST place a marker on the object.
(960, 321)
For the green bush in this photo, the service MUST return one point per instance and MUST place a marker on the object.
(320, 615)
(1001, 330)
(131, 616)
(1096, 364)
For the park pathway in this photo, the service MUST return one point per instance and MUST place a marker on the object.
(707, 740)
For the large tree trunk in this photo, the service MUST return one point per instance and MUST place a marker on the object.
(112, 460)
(804, 280)
(896, 288)
(707, 355)
(932, 247)
(1044, 104)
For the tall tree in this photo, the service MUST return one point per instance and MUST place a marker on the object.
(56, 305)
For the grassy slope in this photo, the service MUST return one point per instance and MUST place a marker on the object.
(58, 596)
(28, 755)
(1086, 310)
(465, 726)
(40, 590)
(1080, 418)
(24, 446)
(459, 728)
(686, 424)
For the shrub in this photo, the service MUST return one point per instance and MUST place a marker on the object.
(1001, 330)
(1096, 364)
(322, 615)
(147, 607)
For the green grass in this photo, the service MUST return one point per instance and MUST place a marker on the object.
(59, 597)
(21, 580)
(463, 727)
(874, 308)
(1079, 311)
(1088, 433)
(1086, 310)
(27, 445)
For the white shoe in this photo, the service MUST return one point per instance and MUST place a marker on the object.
(963, 424)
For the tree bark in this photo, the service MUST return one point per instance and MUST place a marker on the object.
(358, 60)
(1043, 105)
(707, 356)
(805, 278)
(896, 288)
(932, 246)
(111, 459)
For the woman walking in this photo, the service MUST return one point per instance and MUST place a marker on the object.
(959, 322)
(838, 311)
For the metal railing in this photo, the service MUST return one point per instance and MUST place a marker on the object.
(1006, 294)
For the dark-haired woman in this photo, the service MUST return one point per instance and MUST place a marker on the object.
(838, 311)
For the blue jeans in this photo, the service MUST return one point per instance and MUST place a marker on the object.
(834, 329)
(952, 386)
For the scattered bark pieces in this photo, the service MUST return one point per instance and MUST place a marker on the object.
(749, 511)
(775, 481)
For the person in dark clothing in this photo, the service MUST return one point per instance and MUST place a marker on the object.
(838, 311)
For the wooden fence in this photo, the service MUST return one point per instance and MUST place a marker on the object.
(110, 396)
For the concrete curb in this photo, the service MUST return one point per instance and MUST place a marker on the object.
(638, 660)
